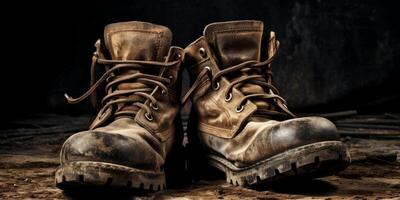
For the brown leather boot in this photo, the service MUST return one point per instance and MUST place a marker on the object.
(138, 124)
(239, 118)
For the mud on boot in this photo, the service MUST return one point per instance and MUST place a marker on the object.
(135, 130)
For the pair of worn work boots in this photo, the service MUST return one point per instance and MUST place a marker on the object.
(238, 123)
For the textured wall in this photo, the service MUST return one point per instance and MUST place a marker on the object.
(336, 54)
(342, 53)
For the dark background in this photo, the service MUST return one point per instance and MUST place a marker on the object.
(336, 54)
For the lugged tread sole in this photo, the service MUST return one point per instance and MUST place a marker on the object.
(99, 174)
(311, 161)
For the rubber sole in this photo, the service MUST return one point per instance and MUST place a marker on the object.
(311, 161)
(99, 174)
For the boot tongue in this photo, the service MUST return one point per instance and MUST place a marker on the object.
(137, 41)
(235, 42)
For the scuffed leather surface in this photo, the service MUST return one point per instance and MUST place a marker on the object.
(235, 42)
(243, 138)
(260, 140)
(169, 105)
(216, 116)
(134, 141)
(122, 142)
(137, 41)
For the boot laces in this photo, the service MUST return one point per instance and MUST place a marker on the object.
(249, 73)
(125, 71)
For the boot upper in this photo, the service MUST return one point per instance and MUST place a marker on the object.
(238, 112)
(135, 126)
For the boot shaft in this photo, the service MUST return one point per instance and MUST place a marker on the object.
(222, 101)
(141, 72)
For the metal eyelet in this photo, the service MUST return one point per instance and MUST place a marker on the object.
(208, 68)
(229, 97)
(215, 86)
(240, 109)
(202, 52)
(149, 117)
(154, 106)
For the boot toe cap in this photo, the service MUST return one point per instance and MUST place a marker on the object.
(277, 137)
(110, 148)
(302, 131)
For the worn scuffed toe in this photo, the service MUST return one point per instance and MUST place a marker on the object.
(101, 147)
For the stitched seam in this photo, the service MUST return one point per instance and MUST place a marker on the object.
(158, 44)
(237, 30)
(225, 111)
(107, 165)
(213, 127)
(210, 127)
